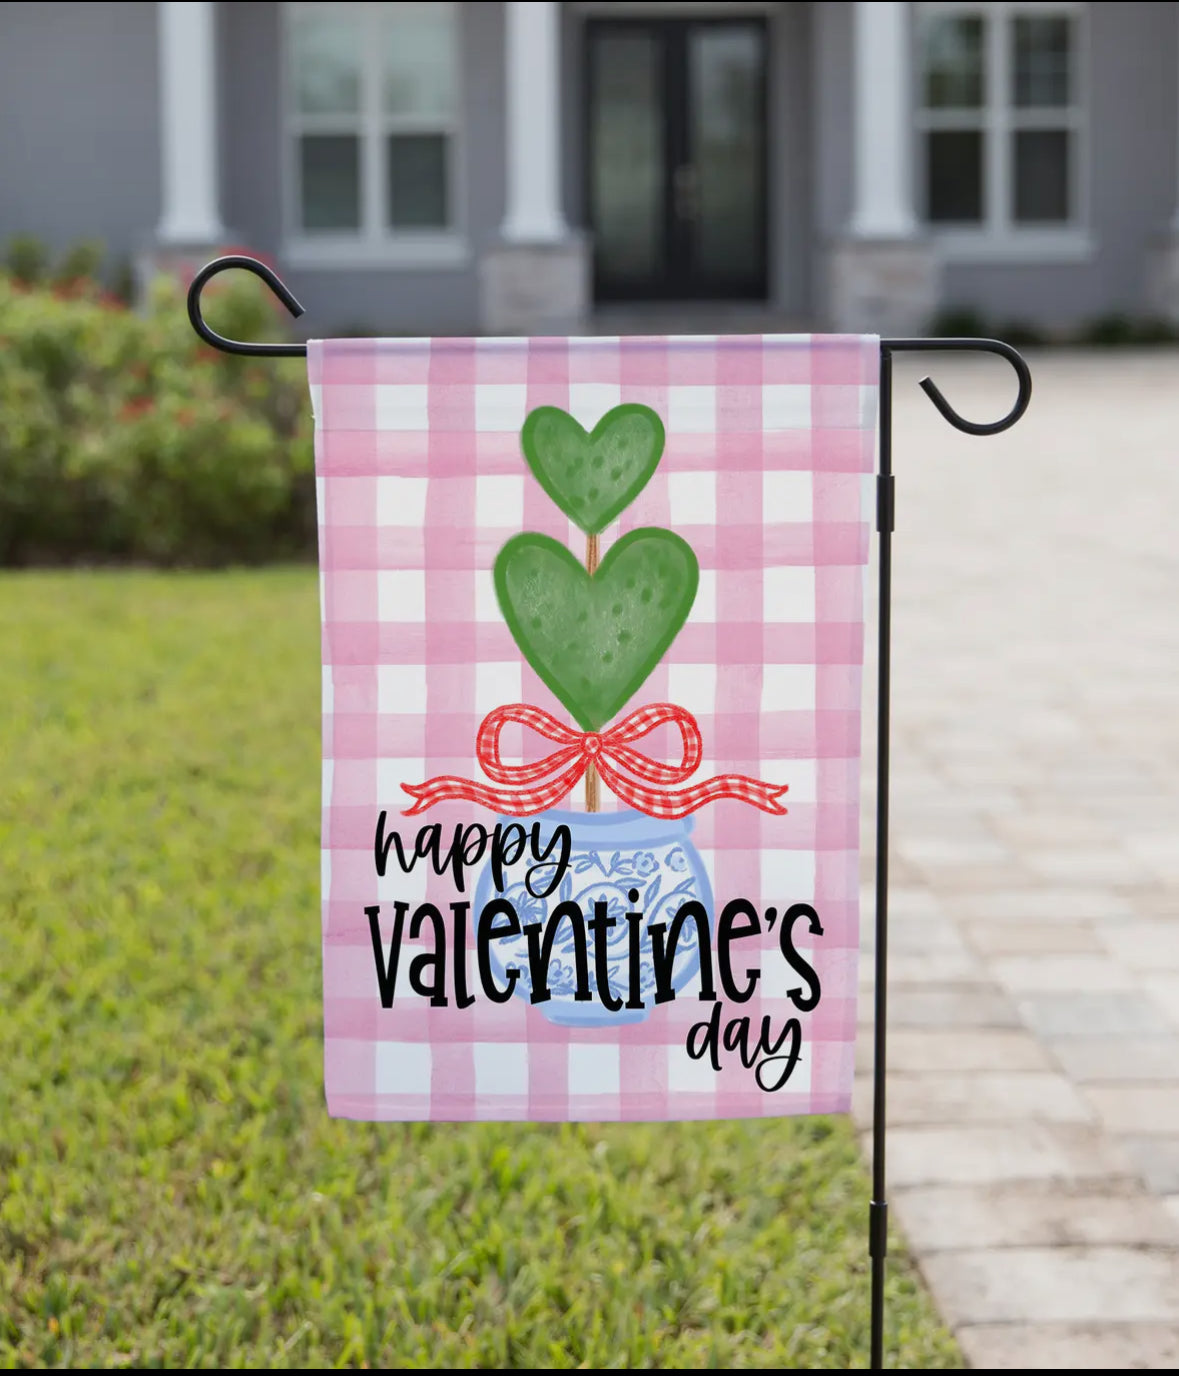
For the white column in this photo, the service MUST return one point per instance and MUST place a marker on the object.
(188, 123)
(883, 128)
(533, 79)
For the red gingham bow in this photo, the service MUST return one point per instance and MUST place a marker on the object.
(532, 788)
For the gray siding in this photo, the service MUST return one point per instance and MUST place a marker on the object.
(573, 117)
(833, 121)
(792, 180)
(79, 141)
(383, 300)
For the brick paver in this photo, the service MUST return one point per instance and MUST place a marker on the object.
(1034, 951)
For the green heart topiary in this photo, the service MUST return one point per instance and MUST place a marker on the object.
(594, 639)
(593, 477)
(594, 634)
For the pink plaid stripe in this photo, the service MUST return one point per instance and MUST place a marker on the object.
(420, 481)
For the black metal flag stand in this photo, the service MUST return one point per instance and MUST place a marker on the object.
(885, 492)
(885, 500)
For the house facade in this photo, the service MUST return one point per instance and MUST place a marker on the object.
(545, 167)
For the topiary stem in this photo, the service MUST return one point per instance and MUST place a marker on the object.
(591, 774)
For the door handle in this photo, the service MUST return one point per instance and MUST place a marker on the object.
(685, 185)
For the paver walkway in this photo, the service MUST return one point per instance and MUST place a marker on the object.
(1033, 1151)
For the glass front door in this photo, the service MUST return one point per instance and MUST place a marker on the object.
(677, 158)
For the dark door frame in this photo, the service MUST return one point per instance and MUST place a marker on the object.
(677, 282)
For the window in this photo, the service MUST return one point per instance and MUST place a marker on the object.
(372, 103)
(1000, 117)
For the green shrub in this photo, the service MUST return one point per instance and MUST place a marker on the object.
(125, 437)
(1107, 331)
(1155, 330)
(123, 282)
(26, 258)
(82, 261)
(960, 322)
(1116, 330)
(1021, 334)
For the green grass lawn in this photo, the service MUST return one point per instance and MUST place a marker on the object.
(172, 1191)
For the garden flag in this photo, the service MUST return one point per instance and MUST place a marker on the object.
(592, 647)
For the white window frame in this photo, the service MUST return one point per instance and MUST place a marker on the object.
(999, 238)
(374, 244)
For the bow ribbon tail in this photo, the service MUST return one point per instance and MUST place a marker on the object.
(666, 803)
(511, 802)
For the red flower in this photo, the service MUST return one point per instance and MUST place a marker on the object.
(70, 289)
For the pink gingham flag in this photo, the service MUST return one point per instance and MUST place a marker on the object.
(493, 950)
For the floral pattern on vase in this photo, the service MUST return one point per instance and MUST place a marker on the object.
(611, 853)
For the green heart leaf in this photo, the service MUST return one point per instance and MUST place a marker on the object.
(594, 641)
(593, 477)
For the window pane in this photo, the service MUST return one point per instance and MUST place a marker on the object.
(1041, 176)
(952, 52)
(327, 66)
(419, 46)
(417, 181)
(330, 181)
(954, 163)
(1041, 61)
